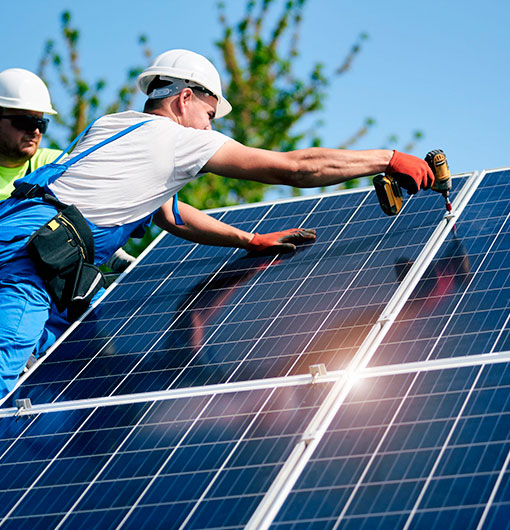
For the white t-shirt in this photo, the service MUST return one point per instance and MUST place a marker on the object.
(134, 175)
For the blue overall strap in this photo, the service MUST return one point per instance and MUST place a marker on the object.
(70, 162)
(75, 141)
(175, 211)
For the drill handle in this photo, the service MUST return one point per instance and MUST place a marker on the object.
(437, 162)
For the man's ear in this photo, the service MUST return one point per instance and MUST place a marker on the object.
(185, 98)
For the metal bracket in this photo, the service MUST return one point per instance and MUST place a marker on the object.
(316, 370)
(22, 404)
(308, 437)
(450, 215)
(386, 318)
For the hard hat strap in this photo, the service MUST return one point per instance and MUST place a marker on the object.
(175, 86)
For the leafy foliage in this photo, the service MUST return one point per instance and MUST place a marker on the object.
(85, 97)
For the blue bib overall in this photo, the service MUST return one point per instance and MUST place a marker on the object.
(25, 305)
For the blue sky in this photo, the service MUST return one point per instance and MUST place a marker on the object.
(438, 67)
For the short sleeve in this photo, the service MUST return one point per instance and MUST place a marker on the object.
(44, 156)
(194, 148)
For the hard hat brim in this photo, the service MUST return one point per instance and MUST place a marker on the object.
(223, 108)
(6, 103)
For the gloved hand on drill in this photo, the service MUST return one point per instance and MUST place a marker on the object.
(276, 242)
(411, 172)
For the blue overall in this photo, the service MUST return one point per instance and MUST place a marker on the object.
(28, 322)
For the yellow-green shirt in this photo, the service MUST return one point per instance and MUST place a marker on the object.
(9, 174)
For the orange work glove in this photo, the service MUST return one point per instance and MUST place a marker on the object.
(280, 241)
(411, 172)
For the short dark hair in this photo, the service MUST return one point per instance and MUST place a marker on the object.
(153, 104)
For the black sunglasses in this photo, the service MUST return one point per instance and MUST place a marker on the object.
(27, 123)
(204, 90)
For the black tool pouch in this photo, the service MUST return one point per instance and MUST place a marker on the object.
(63, 253)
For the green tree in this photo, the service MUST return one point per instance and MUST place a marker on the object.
(269, 99)
(84, 98)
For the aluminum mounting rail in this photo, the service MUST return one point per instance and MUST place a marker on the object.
(26, 408)
(273, 500)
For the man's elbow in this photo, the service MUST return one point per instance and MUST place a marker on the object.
(295, 172)
(162, 218)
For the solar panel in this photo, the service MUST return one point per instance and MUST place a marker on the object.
(461, 303)
(148, 463)
(420, 450)
(183, 398)
(223, 316)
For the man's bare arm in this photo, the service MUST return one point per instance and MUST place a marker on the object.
(304, 168)
(200, 227)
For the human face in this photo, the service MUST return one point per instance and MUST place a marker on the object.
(199, 111)
(16, 146)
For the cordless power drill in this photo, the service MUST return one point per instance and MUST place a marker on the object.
(389, 192)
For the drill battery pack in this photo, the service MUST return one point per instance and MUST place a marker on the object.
(389, 194)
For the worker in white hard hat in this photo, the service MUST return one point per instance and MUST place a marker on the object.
(126, 170)
(24, 99)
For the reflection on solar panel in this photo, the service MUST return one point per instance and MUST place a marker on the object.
(361, 382)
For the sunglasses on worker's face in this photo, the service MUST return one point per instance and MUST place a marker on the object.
(27, 123)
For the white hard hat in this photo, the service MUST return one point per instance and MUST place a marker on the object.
(21, 89)
(190, 66)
